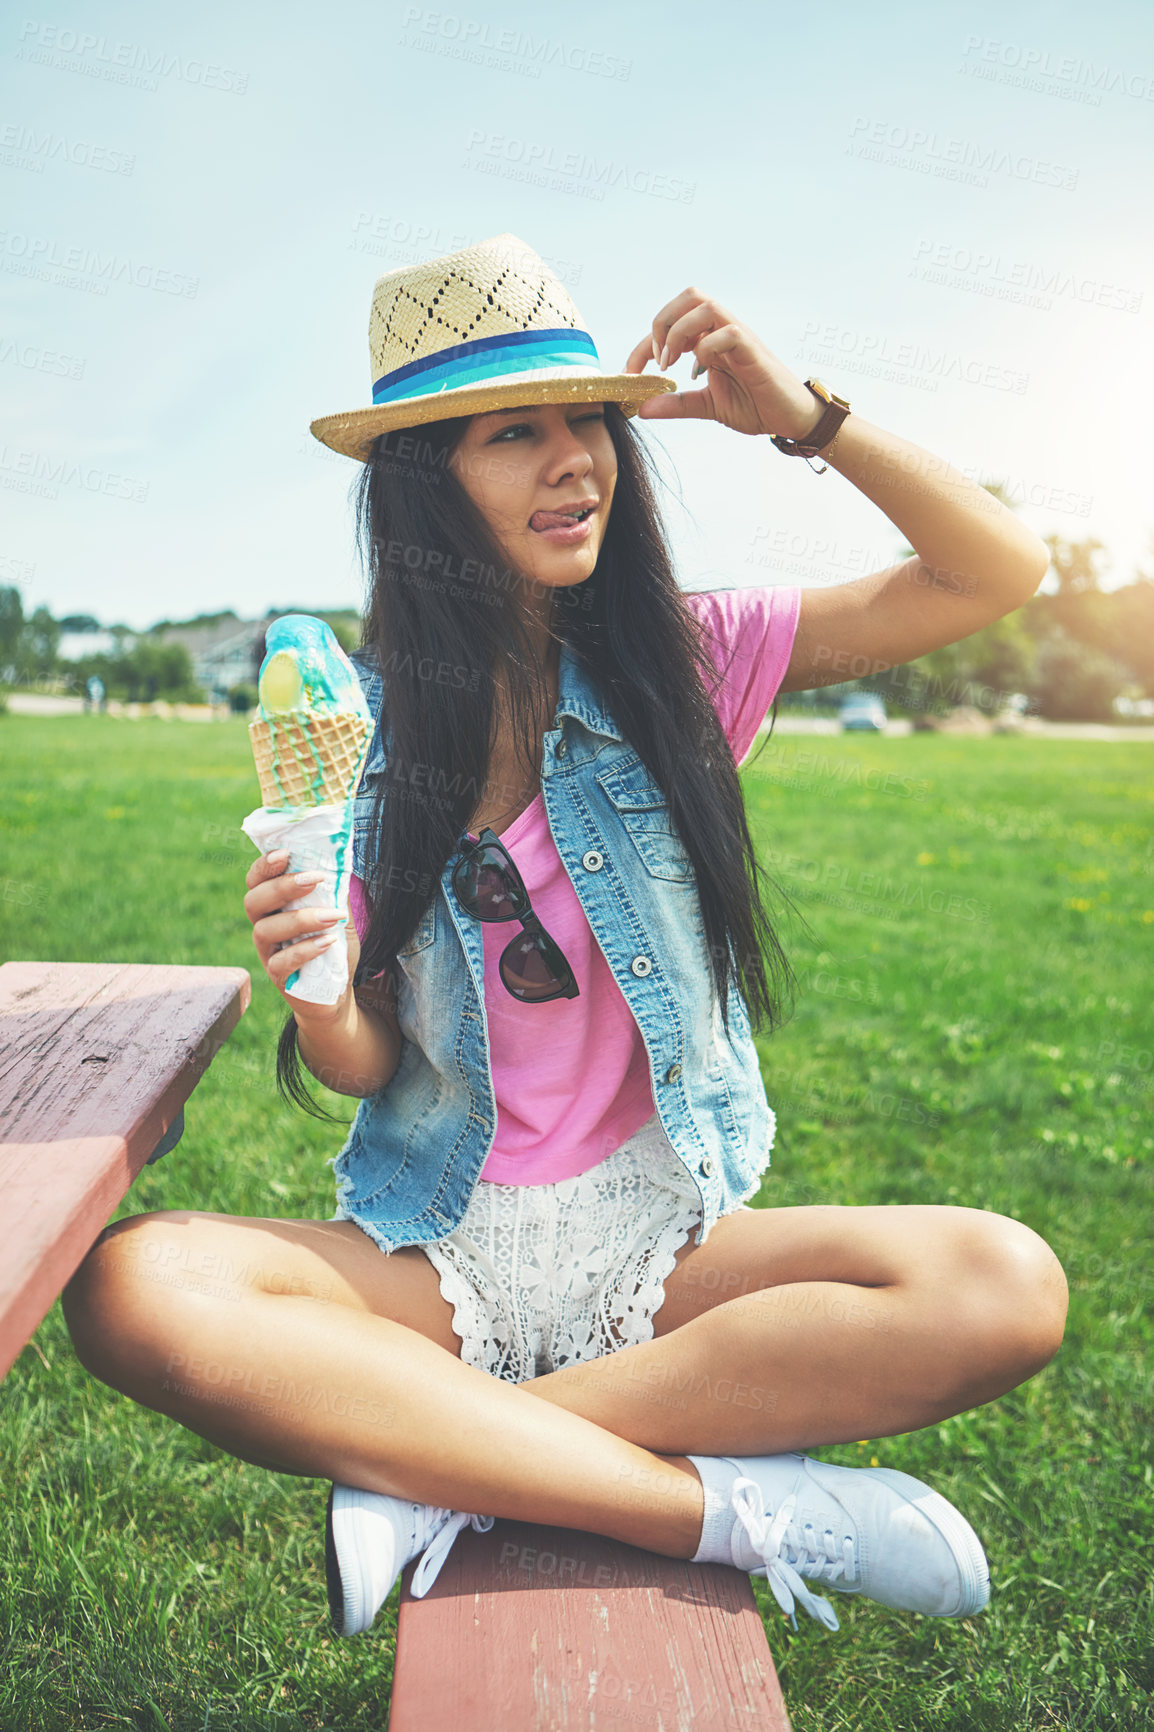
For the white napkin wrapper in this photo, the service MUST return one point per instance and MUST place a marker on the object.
(318, 839)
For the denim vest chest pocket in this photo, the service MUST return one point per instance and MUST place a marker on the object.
(644, 815)
(424, 935)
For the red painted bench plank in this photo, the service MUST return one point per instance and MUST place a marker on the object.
(96, 1062)
(545, 1629)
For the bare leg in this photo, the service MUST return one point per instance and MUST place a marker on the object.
(321, 1386)
(924, 1312)
(295, 1367)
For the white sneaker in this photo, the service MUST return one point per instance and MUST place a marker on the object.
(370, 1537)
(858, 1530)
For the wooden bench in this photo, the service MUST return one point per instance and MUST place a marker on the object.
(543, 1629)
(97, 1061)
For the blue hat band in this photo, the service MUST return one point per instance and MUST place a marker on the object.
(487, 360)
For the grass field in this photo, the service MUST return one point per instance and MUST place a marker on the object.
(973, 1027)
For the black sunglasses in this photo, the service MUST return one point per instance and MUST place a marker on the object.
(488, 885)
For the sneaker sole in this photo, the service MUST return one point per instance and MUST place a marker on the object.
(954, 1529)
(338, 1579)
(333, 1588)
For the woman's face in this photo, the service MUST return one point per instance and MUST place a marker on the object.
(524, 468)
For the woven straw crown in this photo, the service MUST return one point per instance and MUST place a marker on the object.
(485, 328)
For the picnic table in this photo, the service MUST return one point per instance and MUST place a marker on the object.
(97, 1061)
(527, 1628)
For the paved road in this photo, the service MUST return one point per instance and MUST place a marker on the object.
(1034, 730)
(34, 704)
(41, 704)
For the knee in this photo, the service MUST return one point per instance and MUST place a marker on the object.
(1015, 1294)
(111, 1305)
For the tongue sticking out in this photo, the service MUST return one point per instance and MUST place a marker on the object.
(550, 519)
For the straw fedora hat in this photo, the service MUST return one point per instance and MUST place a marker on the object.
(489, 327)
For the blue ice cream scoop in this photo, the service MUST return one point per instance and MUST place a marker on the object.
(305, 668)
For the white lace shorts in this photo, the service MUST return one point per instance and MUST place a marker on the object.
(542, 1276)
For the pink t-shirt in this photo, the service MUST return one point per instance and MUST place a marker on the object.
(571, 1076)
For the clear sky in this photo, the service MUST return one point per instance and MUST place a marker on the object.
(942, 212)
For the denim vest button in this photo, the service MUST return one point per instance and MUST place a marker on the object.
(673, 1073)
(562, 748)
(641, 965)
(592, 861)
(707, 1167)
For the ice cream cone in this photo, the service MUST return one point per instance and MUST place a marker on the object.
(310, 737)
(309, 758)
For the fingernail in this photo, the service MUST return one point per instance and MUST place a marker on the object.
(306, 880)
(280, 858)
(323, 943)
(665, 357)
(656, 356)
(697, 368)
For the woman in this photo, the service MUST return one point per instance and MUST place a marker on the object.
(543, 1295)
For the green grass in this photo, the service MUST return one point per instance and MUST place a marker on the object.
(972, 1027)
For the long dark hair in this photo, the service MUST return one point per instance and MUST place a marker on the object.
(445, 612)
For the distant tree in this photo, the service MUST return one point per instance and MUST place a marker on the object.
(1072, 651)
(146, 672)
(1114, 630)
(1076, 682)
(1003, 654)
(1132, 630)
(79, 622)
(39, 641)
(981, 670)
(198, 619)
(347, 633)
(1076, 563)
(1081, 608)
(11, 627)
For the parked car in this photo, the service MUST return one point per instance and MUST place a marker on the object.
(863, 711)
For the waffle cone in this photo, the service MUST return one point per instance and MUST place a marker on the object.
(309, 760)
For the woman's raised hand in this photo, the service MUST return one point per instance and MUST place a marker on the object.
(748, 388)
(269, 889)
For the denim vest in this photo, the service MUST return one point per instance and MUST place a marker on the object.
(416, 1148)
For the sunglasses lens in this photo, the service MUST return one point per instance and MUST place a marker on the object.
(485, 888)
(532, 969)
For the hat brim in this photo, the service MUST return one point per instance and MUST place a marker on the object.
(352, 434)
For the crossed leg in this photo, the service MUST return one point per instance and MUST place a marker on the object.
(298, 1346)
(796, 1327)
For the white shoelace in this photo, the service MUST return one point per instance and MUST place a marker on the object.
(783, 1544)
(440, 1546)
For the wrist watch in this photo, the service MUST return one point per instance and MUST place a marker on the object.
(836, 410)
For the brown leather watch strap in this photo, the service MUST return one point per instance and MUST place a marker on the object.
(836, 410)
